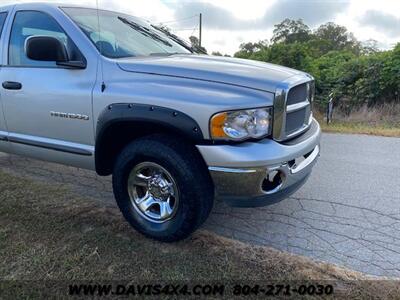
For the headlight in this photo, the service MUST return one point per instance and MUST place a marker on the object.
(242, 124)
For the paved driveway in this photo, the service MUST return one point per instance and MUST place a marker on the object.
(348, 213)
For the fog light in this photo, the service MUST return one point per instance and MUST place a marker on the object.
(273, 182)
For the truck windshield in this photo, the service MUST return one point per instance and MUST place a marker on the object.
(118, 35)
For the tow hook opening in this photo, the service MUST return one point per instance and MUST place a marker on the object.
(273, 182)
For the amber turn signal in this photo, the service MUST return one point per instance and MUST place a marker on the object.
(217, 125)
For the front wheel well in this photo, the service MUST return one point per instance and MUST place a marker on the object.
(118, 135)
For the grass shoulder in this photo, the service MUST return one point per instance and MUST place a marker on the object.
(387, 130)
(49, 233)
(380, 121)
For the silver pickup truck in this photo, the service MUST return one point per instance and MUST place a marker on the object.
(111, 93)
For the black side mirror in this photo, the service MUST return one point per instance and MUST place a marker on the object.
(47, 48)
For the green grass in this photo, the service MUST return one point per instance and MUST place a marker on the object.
(388, 130)
(47, 233)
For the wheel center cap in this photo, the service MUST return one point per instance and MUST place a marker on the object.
(159, 188)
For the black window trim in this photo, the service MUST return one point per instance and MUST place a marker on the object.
(37, 67)
(5, 20)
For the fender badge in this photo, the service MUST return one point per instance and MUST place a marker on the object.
(69, 116)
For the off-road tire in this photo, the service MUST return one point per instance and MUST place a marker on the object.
(185, 164)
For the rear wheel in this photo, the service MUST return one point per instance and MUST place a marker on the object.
(163, 187)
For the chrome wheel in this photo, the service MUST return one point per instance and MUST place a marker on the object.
(153, 192)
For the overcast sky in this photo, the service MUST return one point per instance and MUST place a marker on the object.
(228, 23)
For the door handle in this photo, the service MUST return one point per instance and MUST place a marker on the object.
(11, 85)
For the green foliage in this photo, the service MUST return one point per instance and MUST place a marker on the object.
(336, 37)
(355, 73)
(290, 31)
(217, 53)
(247, 49)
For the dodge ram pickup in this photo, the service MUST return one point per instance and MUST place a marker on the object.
(109, 92)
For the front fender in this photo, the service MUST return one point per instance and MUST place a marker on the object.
(196, 98)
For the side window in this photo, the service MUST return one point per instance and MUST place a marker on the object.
(3, 17)
(35, 23)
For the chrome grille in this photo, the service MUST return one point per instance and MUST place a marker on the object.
(298, 94)
(295, 120)
(292, 109)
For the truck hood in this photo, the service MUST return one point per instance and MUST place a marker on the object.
(240, 72)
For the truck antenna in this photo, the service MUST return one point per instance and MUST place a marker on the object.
(103, 85)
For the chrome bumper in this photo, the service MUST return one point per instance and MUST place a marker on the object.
(258, 174)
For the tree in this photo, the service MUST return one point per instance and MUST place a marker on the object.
(195, 42)
(391, 73)
(248, 49)
(217, 53)
(337, 36)
(290, 31)
(370, 46)
(293, 55)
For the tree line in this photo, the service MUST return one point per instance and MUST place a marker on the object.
(355, 73)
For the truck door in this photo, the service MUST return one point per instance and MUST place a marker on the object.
(3, 128)
(48, 108)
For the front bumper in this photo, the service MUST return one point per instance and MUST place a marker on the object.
(263, 173)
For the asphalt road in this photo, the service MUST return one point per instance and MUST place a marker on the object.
(348, 213)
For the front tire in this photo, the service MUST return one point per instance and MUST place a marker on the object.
(162, 187)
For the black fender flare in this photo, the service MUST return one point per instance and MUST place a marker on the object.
(165, 118)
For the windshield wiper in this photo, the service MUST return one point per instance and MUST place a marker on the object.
(164, 54)
(145, 31)
(178, 40)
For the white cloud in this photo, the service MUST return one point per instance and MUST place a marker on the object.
(154, 10)
(244, 10)
(363, 31)
(382, 21)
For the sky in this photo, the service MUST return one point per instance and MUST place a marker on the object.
(228, 23)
